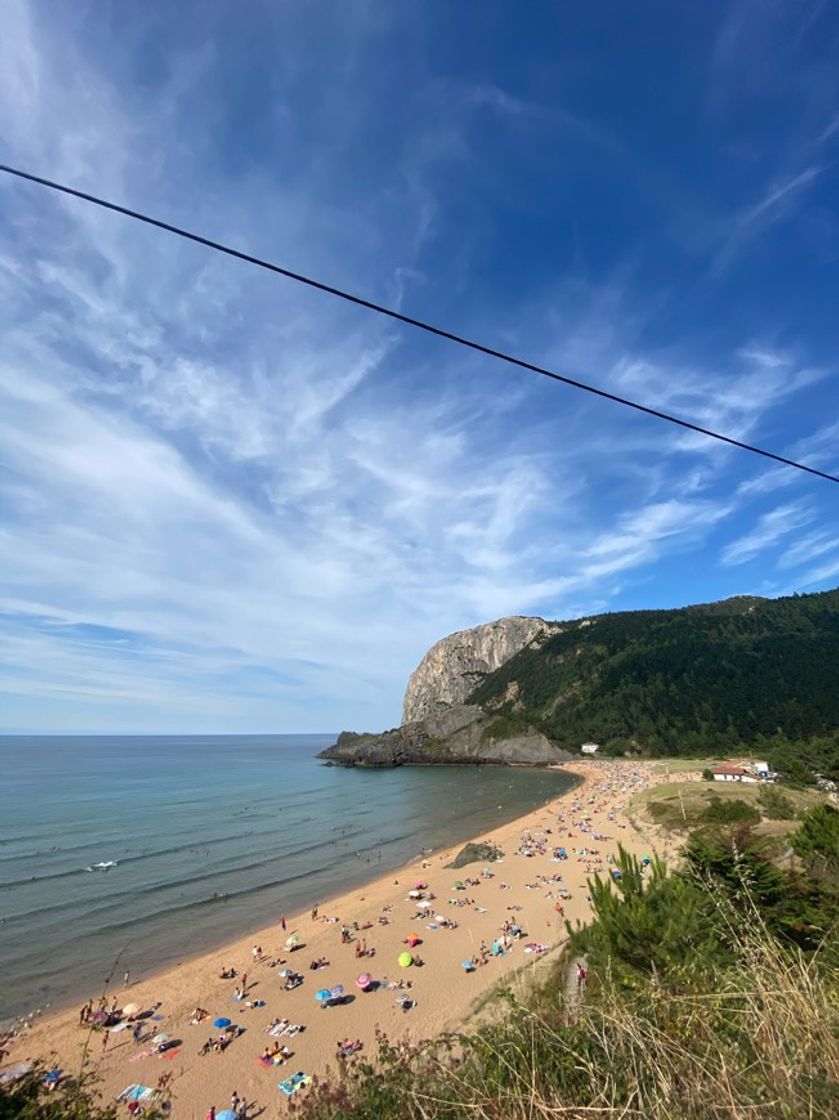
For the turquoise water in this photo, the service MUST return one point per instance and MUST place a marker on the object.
(213, 836)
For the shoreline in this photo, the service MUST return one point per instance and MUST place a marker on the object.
(62, 1005)
(443, 991)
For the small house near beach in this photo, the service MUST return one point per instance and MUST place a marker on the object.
(732, 772)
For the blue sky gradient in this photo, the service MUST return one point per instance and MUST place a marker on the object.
(232, 504)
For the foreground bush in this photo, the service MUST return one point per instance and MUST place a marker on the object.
(699, 1005)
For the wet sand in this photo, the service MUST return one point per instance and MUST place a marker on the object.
(588, 822)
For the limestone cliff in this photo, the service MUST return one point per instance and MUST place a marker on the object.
(456, 665)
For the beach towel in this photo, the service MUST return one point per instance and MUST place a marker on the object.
(136, 1093)
(139, 1057)
(293, 1083)
(168, 1055)
(278, 1029)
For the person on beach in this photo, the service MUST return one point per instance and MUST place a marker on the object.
(314, 913)
(211, 1112)
(282, 922)
(106, 1034)
(126, 977)
(137, 1032)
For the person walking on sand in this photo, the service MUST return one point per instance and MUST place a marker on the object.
(126, 977)
(282, 922)
(106, 1034)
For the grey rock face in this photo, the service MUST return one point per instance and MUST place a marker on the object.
(460, 734)
(455, 665)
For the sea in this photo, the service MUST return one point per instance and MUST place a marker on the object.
(207, 838)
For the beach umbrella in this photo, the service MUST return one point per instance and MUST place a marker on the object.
(101, 1017)
(131, 1009)
(439, 918)
(405, 959)
(52, 1076)
(286, 972)
(290, 942)
(421, 885)
(323, 995)
(226, 1114)
(164, 1037)
(337, 991)
(363, 981)
(459, 885)
(424, 905)
(222, 1022)
(414, 894)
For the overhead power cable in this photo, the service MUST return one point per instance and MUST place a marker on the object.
(410, 321)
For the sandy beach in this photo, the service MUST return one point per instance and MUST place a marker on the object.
(363, 931)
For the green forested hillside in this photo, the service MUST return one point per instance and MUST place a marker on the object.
(742, 673)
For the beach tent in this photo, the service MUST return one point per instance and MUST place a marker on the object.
(405, 959)
(222, 1022)
(363, 981)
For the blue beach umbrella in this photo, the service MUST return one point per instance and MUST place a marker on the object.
(226, 1114)
(323, 995)
(222, 1022)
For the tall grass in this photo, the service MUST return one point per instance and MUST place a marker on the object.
(759, 1039)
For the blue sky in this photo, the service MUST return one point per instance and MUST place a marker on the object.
(231, 504)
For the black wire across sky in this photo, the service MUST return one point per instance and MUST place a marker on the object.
(408, 320)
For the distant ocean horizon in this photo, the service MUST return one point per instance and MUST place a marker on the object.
(209, 837)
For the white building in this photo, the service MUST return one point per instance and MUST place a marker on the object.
(732, 772)
(590, 748)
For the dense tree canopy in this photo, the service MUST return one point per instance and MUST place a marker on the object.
(746, 673)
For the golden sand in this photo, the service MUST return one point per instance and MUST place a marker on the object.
(441, 990)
